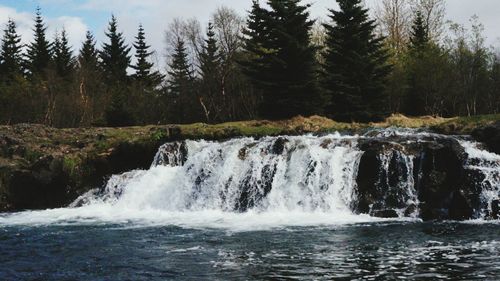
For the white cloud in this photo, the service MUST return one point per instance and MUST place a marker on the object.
(23, 20)
(74, 26)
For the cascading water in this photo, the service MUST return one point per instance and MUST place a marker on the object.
(299, 180)
(307, 174)
(487, 167)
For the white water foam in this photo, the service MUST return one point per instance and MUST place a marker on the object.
(242, 184)
(488, 164)
(310, 182)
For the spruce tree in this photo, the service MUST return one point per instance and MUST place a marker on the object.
(10, 53)
(257, 45)
(115, 54)
(88, 57)
(355, 65)
(63, 56)
(419, 36)
(180, 83)
(39, 53)
(416, 61)
(144, 72)
(180, 73)
(210, 58)
(212, 98)
(282, 59)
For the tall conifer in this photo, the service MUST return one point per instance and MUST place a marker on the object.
(180, 73)
(39, 53)
(88, 57)
(10, 53)
(63, 56)
(144, 71)
(115, 54)
(355, 65)
(419, 35)
(282, 60)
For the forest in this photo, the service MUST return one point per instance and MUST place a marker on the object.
(275, 62)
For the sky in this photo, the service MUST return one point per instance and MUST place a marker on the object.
(78, 16)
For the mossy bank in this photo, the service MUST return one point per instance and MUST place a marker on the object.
(43, 167)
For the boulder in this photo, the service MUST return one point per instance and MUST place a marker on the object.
(489, 135)
(445, 187)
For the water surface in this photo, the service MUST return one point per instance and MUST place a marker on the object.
(366, 251)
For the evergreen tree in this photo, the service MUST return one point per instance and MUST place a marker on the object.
(180, 82)
(257, 45)
(90, 81)
(417, 60)
(355, 65)
(39, 52)
(88, 57)
(282, 60)
(419, 36)
(180, 71)
(10, 53)
(210, 58)
(63, 56)
(210, 72)
(143, 67)
(115, 54)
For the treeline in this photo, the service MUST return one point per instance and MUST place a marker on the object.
(275, 63)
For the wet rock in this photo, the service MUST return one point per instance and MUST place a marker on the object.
(446, 188)
(441, 177)
(382, 175)
(242, 154)
(173, 154)
(389, 213)
(411, 211)
(279, 146)
(489, 135)
(495, 209)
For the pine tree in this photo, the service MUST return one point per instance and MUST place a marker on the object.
(355, 65)
(63, 56)
(180, 83)
(39, 52)
(115, 54)
(419, 34)
(210, 58)
(180, 73)
(416, 61)
(88, 57)
(10, 53)
(283, 64)
(257, 45)
(143, 67)
(212, 99)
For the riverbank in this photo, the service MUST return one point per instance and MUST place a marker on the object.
(43, 167)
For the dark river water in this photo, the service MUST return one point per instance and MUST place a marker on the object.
(366, 251)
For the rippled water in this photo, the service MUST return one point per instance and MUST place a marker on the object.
(369, 251)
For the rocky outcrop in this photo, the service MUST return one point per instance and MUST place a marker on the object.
(489, 135)
(43, 167)
(445, 188)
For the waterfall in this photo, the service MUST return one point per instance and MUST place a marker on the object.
(487, 167)
(249, 184)
(304, 173)
(316, 174)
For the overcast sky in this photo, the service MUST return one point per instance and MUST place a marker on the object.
(78, 16)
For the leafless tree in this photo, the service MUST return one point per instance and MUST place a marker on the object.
(434, 12)
(394, 18)
(188, 31)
